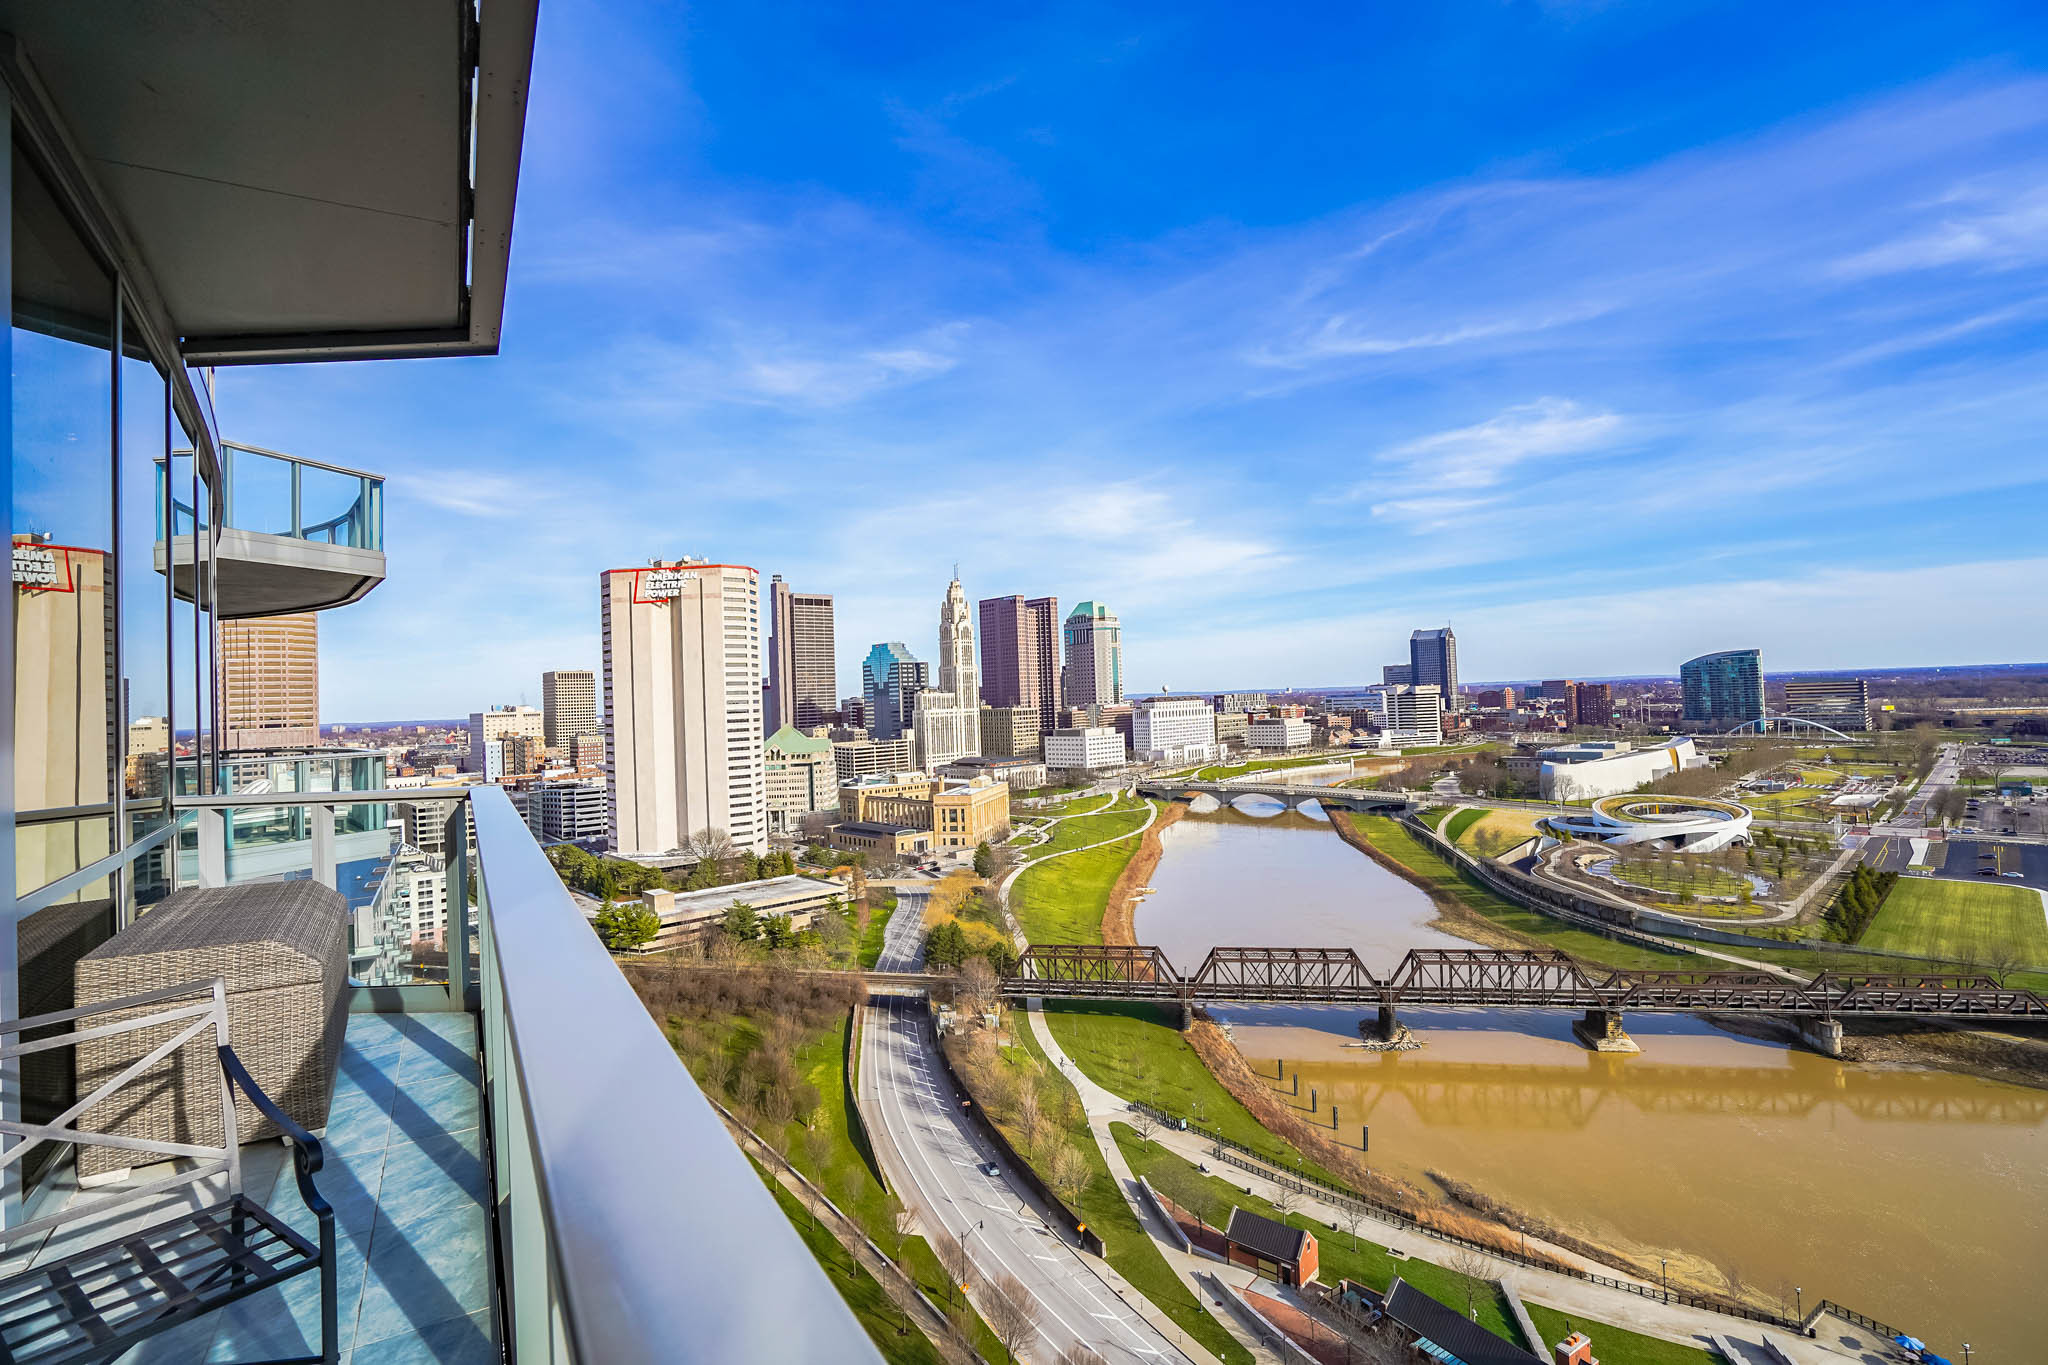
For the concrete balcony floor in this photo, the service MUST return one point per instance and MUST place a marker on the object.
(404, 1171)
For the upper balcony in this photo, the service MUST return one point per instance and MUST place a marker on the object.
(295, 534)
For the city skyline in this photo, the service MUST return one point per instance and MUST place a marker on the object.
(1566, 362)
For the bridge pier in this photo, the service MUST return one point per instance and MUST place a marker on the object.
(1822, 1035)
(1387, 1033)
(1601, 1031)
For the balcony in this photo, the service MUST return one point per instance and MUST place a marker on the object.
(520, 1166)
(294, 534)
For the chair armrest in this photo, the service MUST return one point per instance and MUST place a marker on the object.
(306, 1153)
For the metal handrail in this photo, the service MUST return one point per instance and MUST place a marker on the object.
(635, 1229)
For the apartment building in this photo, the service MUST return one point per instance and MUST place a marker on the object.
(1723, 691)
(682, 701)
(1595, 705)
(1244, 703)
(489, 727)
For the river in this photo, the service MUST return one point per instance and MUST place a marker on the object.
(1918, 1197)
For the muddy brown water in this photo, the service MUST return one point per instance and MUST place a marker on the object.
(1918, 1197)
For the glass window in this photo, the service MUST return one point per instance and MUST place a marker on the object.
(66, 704)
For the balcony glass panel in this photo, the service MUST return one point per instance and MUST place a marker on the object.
(340, 509)
(259, 492)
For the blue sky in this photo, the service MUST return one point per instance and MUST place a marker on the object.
(1609, 333)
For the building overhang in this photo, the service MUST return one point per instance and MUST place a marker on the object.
(257, 574)
(299, 181)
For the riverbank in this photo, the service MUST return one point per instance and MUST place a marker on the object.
(1119, 912)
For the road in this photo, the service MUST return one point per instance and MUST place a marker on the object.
(903, 940)
(934, 1158)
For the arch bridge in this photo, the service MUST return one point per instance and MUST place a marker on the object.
(1287, 794)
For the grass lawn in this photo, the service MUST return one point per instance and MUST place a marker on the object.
(1397, 843)
(1133, 1049)
(1968, 921)
(1617, 1344)
(1216, 772)
(1062, 902)
(882, 1320)
(1122, 817)
(1127, 1245)
(1341, 1255)
(1697, 879)
(1462, 821)
(1510, 826)
(878, 924)
(1435, 816)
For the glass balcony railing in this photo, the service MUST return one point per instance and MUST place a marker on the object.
(294, 534)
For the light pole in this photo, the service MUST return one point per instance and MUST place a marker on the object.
(1799, 1297)
(1966, 1353)
(1664, 1264)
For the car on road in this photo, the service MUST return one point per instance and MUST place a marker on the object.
(2016, 876)
(990, 1168)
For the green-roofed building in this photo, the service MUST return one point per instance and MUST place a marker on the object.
(1094, 672)
(801, 778)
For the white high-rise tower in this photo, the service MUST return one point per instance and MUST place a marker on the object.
(948, 720)
(682, 705)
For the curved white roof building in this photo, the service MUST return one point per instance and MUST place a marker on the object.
(1695, 824)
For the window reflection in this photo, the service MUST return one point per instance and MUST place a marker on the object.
(66, 707)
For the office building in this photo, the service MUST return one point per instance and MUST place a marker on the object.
(881, 841)
(964, 813)
(689, 917)
(587, 751)
(270, 682)
(1084, 749)
(1595, 705)
(1277, 732)
(958, 672)
(1011, 732)
(947, 718)
(801, 778)
(856, 758)
(1020, 655)
(1395, 675)
(682, 704)
(1094, 672)
(1497, 699)
(1242, 702)
(1412, 715)
(1173, 730)
(891, 677)
(803, 664)
(570, 812)
(1564, 693)
(489, 727)
(1231, 725)
(1838, 703)
(568, 706)
(520, 755)
(1021, 773)
(1723, 690)
(1433, 661)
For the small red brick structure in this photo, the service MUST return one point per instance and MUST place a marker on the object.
(1275, 1250)
(1575, 1349)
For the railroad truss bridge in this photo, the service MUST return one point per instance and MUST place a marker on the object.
(1509, 979)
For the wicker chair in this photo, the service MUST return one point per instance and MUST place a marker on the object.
(282, 949)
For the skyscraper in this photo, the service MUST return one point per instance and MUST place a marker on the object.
(1094, 674)
(1433, 660)
(270, 682)
(1723, 690)
(1020, 655)
(682, 704)
(568, 705)
(803, 666)
(891, 677)
(948, 717)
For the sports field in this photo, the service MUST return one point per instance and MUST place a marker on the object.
(1965, 921)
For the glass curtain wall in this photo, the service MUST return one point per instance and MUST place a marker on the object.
(111, 674)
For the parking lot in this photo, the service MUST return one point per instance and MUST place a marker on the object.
(2007, 815)
(1994, 859)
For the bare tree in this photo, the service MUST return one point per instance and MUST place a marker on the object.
(1081, 1353)
(976, 991)
(712, 845)
(952, 1257)
(2004, 958)
(1011, 1313)
(1070, 1171)
(1477, 1269)
(1285, 1200)
(1352, 1218)
(1145, 1121)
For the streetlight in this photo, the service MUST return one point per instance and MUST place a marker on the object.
(1665, 1263)
(1799, 1297)
(1966, 1353)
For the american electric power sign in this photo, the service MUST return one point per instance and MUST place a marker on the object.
(660, 585)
